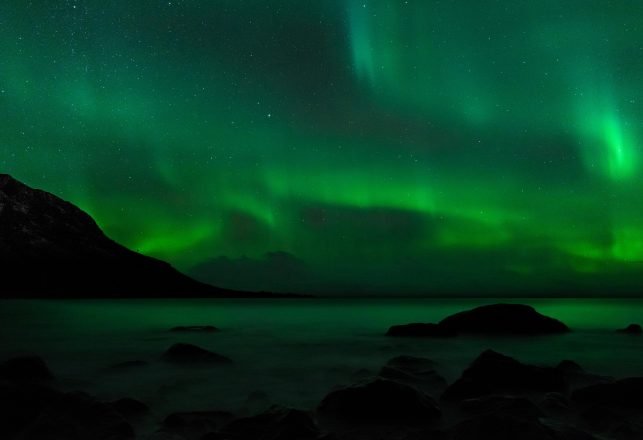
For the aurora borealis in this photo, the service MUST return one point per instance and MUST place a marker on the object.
(341, 146)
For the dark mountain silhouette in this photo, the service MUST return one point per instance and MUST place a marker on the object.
(51, 248)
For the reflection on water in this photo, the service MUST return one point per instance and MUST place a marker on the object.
(293, 350)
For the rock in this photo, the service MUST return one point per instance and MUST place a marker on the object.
(632, 329)
(602, 418)
(195, 328)
(494, 373)
(555, 404)
(21, 404)
(130, 408)
(624, 393)
(380, 402)
(508, 405)
(196, 424)
(425, 380)
(26, 369)
(277, 423)
(419, 330)
(577, 377)
(191, 354)
(76, 416)
(510, 319)
(256, 402)
(498, 426)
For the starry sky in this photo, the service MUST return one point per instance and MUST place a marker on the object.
(360, 147)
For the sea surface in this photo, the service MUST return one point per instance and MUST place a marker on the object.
(290, 351)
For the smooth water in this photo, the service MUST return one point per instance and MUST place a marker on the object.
(294, 351)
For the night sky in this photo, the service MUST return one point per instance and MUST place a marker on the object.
(342, 146)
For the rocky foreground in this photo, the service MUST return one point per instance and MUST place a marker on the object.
(496, 397)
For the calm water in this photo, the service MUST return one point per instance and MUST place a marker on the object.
(295, 351)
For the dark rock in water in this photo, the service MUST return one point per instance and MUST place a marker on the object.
(191, 354)
(195, 328)
(508, 405)
(196, 424)
(277, 423)
(555, 403)
(76, 416)
(416, 371)
(602, 418)
(256, 402)
(577, 377)
(494, 373)
(129, 364)
(130, 408)
(51, 248)
(21, 404)
(426, 380)
(420, 330)
(632, 329)
(510, 319)
(25, 369)
(624, 393)
(380, 402)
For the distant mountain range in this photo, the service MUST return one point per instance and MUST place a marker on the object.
(49, 248)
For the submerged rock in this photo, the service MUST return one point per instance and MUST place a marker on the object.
(508, 319)
(419, 330)
(278, 423)
(191, 354)
(380, 402)
(495, 373)
(195, 328)
(26, 369)
(632, 329)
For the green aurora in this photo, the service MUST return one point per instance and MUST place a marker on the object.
(342, 146)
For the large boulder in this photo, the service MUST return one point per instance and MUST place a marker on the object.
(63, 416)
(415, 371)
(380, 402)
(624, 393)
(495, 373)
(191, 354)
(502, 319)
(25, 369)
(195, 424)
(632, 329)
(277, 423)
(497, 426)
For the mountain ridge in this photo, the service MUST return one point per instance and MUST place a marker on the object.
(50, 248)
